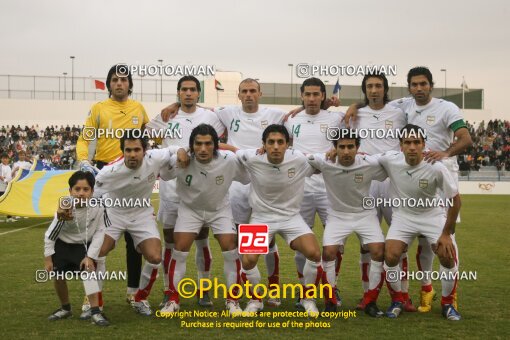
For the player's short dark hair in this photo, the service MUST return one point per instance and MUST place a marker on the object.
(378, 75)
(119, 69)
(79, 175)
(419, 71)
(204, 130)
(315, 82)
(411, 130)
(189, 78)
(4, 155)
(344, 134)
(134, 134)
(249, 80)
(275, 128)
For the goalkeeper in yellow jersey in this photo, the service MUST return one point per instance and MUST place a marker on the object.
(99, 144)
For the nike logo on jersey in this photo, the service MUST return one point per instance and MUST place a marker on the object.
(376, 117)
(189, 120)
(275, 167)
(203, 173)
(410, 174)
(137, 177)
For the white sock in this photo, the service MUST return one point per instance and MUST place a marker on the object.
(397, 284)
(404, 267)
(231, 267)
(147, 278)
(167, 254)
(179, 268)
(101, 268)
(253, 276)
(364, 265)
(329, 269)
(375, 276)
(424, 259)
(311, 272)
(447, 286)
(300, 260)
(272, 259)
(203, 258)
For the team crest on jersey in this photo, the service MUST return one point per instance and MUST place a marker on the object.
(431, 120)
(388, 124)
(264, 124)
(291, 172)
(151, 177)
(358, 178)
(324, 128)
(424, 183)
(134, 119)
(219, 180)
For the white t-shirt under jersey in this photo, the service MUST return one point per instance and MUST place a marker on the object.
(185, 123)
(387, 118)
(309, 135)
(277, 190)
(204, 187)
(347, 185)
(245, 129)
(420, 182)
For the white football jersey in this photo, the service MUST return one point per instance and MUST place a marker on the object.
(420, 182)
(435, 118)
(276, 191)
(118, 181)
(387, 118)
(346, 186)
(204, 187)
(245, 129)
(182, 123)
(309, 135)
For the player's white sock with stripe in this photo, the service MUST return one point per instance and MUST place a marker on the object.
(448, 284)
(393, 280)
(424, 259)
(364, 265)
(272, 259)
(252, 276)
(231, 267)
(375, 275)
(100, 269)
(404, 281)
(203, 258)
(312, 272)
(300, 260)
(167, 254)
(176, 271)
(329, 269)
(147, 278)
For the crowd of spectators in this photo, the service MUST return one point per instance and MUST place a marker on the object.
(56, 146)
(491, 146)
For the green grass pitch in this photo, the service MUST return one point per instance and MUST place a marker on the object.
(482, 237)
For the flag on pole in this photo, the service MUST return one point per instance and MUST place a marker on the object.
(337, 88)
(218, 85)
(464, 85)
(98, 85)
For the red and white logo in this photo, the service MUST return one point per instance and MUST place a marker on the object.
(253, 239)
